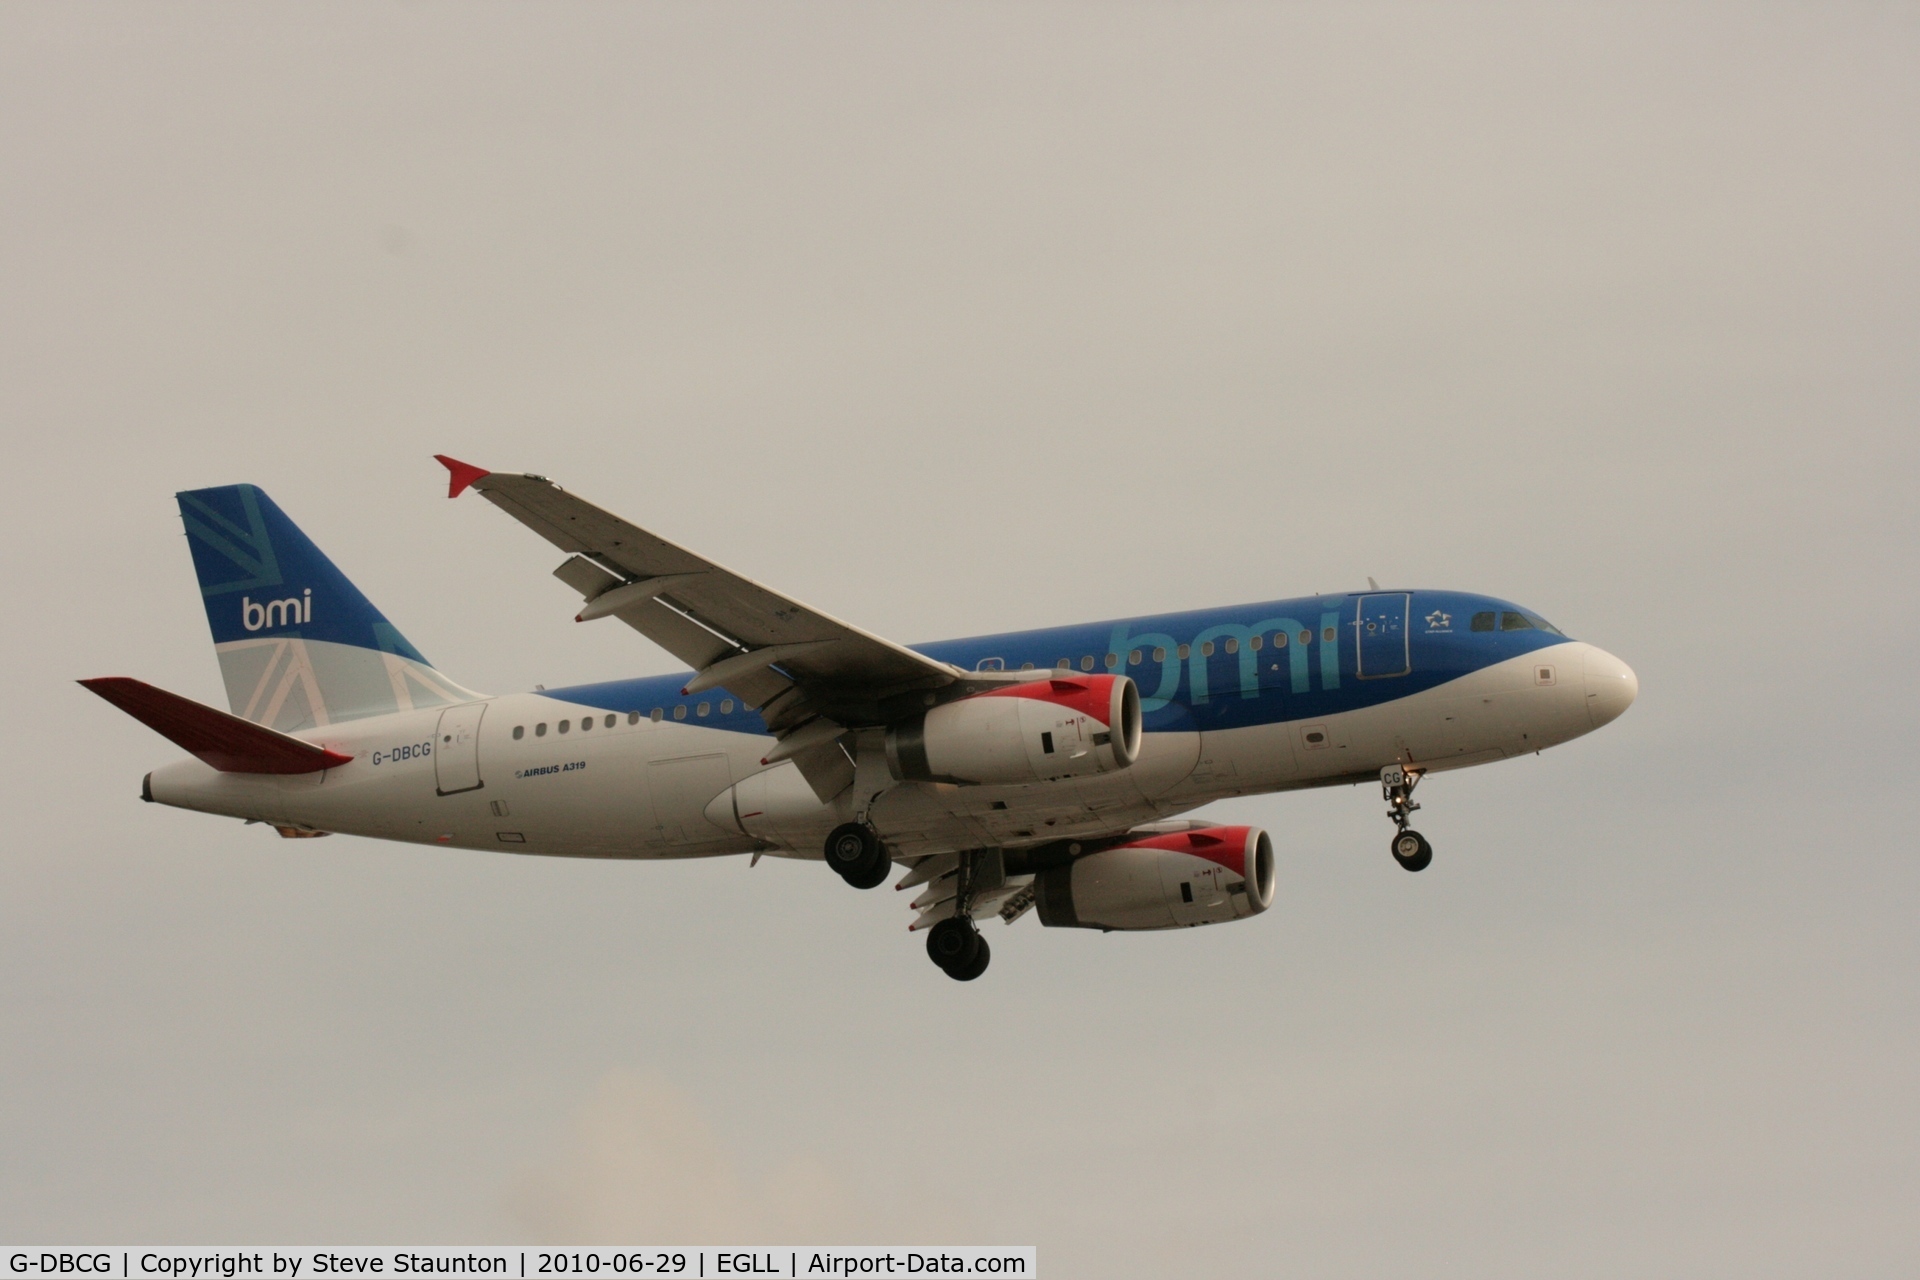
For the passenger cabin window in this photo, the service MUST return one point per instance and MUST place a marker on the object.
(1113, 660)
(1279, 639)
(1483, 621)
(1511, 621)
(633, 717)
(586, 723)
(540, 730)
(608, 722)
(1026, 666)
(1133, 658)
(726, 706)
(702, 709)
(519, 732)
(1306, 637)
(565, 725)
(1184, 651)
(1159, 653)
(990, 664)
(1206, 648)
(1254, 643)
(1065, 664)
(655, 714)
(680, 712)
(1328, 635)
(1086, 662)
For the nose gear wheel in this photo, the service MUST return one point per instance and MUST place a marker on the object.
(1410, 848)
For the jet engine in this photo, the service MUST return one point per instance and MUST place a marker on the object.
(1036, 731)
(1206, 876)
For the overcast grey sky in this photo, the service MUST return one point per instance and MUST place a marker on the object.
(950, 319)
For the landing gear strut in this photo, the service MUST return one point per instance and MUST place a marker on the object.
(1410, 848)
(856, 853)
(954, 944)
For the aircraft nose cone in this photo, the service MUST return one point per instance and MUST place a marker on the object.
(1611, 687)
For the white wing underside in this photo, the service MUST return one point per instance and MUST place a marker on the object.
(806, 672)
(1009, 898)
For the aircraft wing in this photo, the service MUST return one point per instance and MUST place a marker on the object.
(795, 664)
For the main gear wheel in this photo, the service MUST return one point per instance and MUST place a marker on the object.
(855, 852)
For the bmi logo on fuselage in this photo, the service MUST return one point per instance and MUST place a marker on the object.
(276, 613)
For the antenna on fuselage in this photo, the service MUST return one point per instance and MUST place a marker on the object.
(1371, 584)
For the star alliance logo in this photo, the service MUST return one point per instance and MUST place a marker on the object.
(1438, 621)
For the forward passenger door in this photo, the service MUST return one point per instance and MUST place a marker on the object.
(1381, 623)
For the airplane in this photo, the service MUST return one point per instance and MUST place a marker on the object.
(1045, 772)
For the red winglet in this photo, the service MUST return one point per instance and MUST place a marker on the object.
(459, 474)
(228, 743)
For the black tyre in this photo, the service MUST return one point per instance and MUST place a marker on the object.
(854, 851)
(975, 967)
(953, 943)
(1411, 850)
(874, 875)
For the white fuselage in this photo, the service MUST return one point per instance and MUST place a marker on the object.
(640, 788)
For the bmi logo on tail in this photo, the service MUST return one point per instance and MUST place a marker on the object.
(276, 613)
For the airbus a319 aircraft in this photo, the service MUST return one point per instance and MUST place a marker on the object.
(1038, 771)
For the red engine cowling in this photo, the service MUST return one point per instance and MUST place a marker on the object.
(1054, 727)
(1176, 881)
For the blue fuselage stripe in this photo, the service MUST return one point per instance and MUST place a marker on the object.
(1208, 669)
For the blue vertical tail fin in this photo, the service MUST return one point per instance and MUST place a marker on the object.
(299, 645)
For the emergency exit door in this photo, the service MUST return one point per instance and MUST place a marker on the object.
(456, 749)
(1382, 623)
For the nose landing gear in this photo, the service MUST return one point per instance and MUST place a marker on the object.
(1410, 848)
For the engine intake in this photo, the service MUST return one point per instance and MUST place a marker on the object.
(1176, 881)
(1056, 727)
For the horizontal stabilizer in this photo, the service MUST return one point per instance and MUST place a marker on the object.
(228, 743)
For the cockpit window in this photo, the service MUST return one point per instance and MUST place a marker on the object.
(1512, 620)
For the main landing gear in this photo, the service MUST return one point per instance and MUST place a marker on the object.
(1410, 848)
(856, 853)
(957, 947)
(954, 943)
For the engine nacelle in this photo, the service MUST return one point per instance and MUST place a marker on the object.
(1060, 726)
(1176, 881)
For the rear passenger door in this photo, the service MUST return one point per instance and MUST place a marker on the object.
(456, 749)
